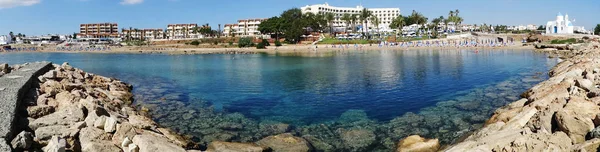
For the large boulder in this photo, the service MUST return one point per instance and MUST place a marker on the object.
(148, 142)
(219, 146)
(66, 116)
(285, 142)
(417, 143)
(576, 124)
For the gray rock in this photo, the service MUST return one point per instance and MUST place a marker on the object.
(67, 116)
(100, 122)
(99, 146)
(89, 134)
(595, 133)
(4, 146)
(585, 84)
(110, 125)
(48, 132)
(56, 144)
(151, 143)
(23, 140)
(50, 74)
(126, 130)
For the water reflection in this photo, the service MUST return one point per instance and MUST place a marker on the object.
(439, 94)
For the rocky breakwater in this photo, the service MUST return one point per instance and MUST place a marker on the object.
(71, 110)
(559, 114)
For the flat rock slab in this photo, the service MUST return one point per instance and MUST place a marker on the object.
(13, 86)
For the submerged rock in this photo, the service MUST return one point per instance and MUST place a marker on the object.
(358, 139)
(219, 146)
(285, 142)
(417, 143)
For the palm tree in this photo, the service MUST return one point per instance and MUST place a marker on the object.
(446, 21)
(329, 17)
(450, 14)
(347, 18)
(364, 17)
(354, 19)
(219, 32)
(398, 22)
(456, 12)
(375, 22)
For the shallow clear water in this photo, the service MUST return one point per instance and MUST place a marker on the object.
(441, 94)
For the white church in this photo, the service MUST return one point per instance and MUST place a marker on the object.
(562, 25)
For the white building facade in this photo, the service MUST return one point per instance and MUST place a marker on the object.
(562, 25)
(385, 15)
(244, 28)
(5, 39)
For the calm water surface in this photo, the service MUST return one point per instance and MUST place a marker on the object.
(441, 94)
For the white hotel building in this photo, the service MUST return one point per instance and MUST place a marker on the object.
(385, 15)
(244, 28)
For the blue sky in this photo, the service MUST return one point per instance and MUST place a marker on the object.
(35, 17)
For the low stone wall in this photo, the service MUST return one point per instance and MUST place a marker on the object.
(15, 81)
(560, 114)
(66, 109)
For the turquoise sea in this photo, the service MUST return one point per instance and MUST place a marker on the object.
(383, 96)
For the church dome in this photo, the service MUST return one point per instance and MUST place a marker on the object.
(570, 24)
(559, 14)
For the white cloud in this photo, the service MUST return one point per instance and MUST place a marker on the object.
(131, 2)
(15, 3)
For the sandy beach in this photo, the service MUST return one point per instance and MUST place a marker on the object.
(270, 49)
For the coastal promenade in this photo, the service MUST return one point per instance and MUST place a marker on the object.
(14, 83)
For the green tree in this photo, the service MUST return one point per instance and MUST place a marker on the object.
(271, 26)
(365, 14)
(12, 35)
(398, 23)
(375, 22)
(347, 18)
(436, 22)
(417, 18)
(597, 29)
(292, 21)
(541, 27)
(74, 35)
(329, 17)
(354, 20)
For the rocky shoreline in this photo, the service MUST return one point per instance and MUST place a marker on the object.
(559, 114)
(71, 110)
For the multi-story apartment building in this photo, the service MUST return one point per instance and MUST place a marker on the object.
(385, 15)
(98, 30)
(145, 34)
(181, 31)
(244, 28)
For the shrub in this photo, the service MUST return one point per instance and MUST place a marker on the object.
(265, 42)
(216, 43)
(230, 43)
(195, 42)
(261, 46)
(245, 42)
(277, 43)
